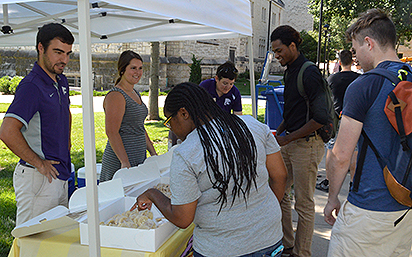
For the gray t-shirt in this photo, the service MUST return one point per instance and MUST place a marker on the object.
(237, 230)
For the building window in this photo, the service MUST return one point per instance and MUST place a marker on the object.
(262, 48)
(252, 8)
(263, 14)
(247, 49)
(274, 19)
(232, 55)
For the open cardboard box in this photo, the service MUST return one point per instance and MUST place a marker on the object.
(138, 190)
(61, 216)
(163, 161)
(152, 168)
(128, 238)
(111, 201)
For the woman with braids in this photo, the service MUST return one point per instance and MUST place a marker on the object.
(227, 177)
(125, 114)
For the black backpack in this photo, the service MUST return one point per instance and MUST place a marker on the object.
(328, 131)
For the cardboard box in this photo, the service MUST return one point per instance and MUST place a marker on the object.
(111, 201)
(163, 161)
(61, 216)
(54, 218)
(139, 189)
(128, 238)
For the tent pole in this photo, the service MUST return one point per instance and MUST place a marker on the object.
(252, 78)
(5, 14)
(88, 127)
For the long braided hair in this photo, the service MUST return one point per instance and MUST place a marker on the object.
(223, 136)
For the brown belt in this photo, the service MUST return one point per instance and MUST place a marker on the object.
(310, 135)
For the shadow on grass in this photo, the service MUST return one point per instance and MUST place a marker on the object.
(78, 158)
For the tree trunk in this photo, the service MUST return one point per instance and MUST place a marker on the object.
(154, 82)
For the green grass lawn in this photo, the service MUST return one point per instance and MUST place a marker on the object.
(4, 107)
(158, 134)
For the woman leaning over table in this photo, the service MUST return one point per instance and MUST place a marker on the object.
(125, 114)
(227, 177)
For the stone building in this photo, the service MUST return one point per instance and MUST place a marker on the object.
(297, 15)
(176, 56)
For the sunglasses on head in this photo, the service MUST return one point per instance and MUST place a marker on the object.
(227, 70)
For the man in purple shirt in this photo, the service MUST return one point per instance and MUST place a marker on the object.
(222, 88)
(37, 127)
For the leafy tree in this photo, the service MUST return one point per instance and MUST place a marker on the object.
(195, 71)
(339, 13)
(309, 46)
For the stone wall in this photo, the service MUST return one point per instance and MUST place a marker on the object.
(16, 62)
(176, 56)
(104, 67)
(297, 15)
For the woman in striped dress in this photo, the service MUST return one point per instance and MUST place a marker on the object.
(125, 114)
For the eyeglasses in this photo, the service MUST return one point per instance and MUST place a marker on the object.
(167, 121)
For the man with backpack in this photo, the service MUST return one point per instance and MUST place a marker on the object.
(371, 222)
(302, 147)
(338, 83)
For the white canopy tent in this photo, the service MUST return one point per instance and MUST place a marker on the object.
(117, 21)
(130, 21)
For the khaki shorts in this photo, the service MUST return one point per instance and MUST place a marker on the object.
(34, 193)
(360, 232)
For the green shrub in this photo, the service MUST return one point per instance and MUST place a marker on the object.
(5, 84)
(95, 93)
(246, 75)
(14, 82)
(100, 93)
(73, 92)
(195, 71)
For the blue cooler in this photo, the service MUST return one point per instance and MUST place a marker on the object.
(70, 181)
(274, 106)
(81, 175)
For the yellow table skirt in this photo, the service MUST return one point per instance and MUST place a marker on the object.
(66, 242)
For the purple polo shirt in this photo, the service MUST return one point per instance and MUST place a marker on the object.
(42, 105)
(228, 102)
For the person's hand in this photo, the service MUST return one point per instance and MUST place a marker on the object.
(331, 210)
(125, 165)
(47, 169)
(142, 202)
(282, 140)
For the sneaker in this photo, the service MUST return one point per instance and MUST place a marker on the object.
(323, 185)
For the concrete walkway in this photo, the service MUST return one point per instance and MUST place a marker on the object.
(322, 229)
